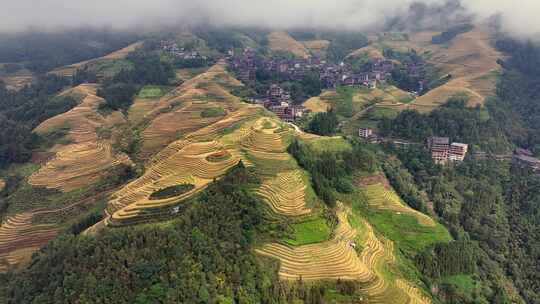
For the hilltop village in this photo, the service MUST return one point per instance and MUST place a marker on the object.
(247, 65)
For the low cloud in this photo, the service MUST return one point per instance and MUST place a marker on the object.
(344, 14)
(518, 17)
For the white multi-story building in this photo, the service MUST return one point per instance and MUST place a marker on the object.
(365, 132)
(458, 151)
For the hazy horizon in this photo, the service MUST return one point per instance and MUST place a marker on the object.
(280, 14)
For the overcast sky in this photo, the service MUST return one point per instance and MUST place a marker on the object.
(519, 15)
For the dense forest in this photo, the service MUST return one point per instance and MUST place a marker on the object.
(21, 111)
(211, 241)
(332, 172)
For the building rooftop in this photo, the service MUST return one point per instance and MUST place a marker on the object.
(460, 145)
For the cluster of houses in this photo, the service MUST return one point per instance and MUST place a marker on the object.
(247, 64)
(172, 48)
(278, 101)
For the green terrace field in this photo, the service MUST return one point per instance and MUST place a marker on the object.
(405, 230)
(402, 227)
(152, 91)
(329, 144)
(314, 230)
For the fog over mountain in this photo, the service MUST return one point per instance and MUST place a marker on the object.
(519, 17)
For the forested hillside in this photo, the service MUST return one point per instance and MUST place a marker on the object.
(42, 51)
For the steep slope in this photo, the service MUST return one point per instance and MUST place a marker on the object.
(19, 238)
(193, 145)
(471, 60)
(68, 71)
(352, 253)
(86, 157)
(181, 111)
(283, 42)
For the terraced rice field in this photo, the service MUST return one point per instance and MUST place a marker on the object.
(87, 157)
(333, 259)
(382, 198)
(286, 193)
(316, 104)
(265, 145)
(470, 59)
(317, 47)
(183, 162)
(178, 113)
(369, 51)
(140, 108)
(281, 41)
(264, 140)
(19, 238)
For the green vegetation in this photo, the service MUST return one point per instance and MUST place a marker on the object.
(22, 111)
(213, 112)
(455, 120)
(324, 123)
(171, 191)
(310, 85)
(405, 230)
(53, 137)
(151, 91)
(87, 220)
(211, 240)
(331, 172)
(146, 69)
(313, 230)
(117, 97)
(344, 103)
(463, 285)
(329, 144)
